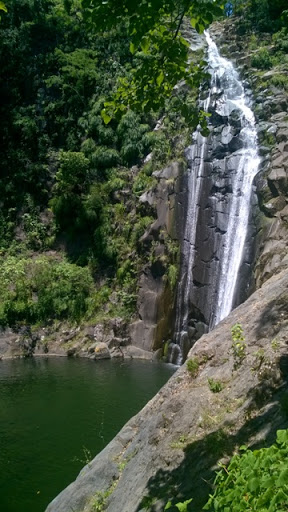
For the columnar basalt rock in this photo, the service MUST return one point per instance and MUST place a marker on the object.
(219, 238)
(155, 297)
(271, 105)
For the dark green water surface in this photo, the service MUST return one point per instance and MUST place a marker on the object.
(52, 411)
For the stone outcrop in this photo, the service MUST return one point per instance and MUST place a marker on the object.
(171, 448)
(155, 297)
(101, 341)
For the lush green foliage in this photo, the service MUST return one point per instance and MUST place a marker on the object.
(262, 15)
(42, 289)
(181, 506)
(161, 53)
(64, 184)
(254, 480)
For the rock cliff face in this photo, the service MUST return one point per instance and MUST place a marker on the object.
(171, 448)
(156, 297)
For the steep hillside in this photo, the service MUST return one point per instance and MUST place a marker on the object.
(71, 220)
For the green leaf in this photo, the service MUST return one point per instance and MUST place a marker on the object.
(283, 478)
(145, 43)
(182, 507)
(106, 118)
(3, 7)
(282, 436)
(160, 78)
(193, 22)
(205, 132)
(254, 484)
(168, 505)
(132, 48)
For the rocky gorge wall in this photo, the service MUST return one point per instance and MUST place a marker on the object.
(265, 252)
(172, 447)
(118, 337)
(267, 231)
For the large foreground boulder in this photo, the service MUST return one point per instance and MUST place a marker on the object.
(172, 447)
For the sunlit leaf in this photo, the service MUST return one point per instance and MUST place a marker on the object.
(145, 43)
(132, 48)
(160, 78)
(106, 118)
(3, 7)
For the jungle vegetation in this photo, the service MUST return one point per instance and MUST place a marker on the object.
(82, 87)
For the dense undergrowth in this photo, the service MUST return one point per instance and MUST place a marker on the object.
(69, 183)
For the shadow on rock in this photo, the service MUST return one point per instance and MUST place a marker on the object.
(194, 477)
(272, 319)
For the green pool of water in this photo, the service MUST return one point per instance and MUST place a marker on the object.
(55, 413)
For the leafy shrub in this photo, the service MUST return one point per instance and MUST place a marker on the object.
(42, 289)
(140, 227)
(280, 80)
(262, 59)
(36, 232)
(142, 183)
(115, 184)
(88, 147)
(255, 480)
(98, 298)
(73, 174)
(131, 133)
(280, 40)
(62, 289)
(104, 158)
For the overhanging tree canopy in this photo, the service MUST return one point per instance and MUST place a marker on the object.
(154, 31)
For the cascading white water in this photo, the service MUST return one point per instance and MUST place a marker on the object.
(194, 193)
(226, 95)
(234, 97)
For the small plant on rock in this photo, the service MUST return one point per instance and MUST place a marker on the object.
(275, 344)
(238, 345)
(215, 385)
(193, 366)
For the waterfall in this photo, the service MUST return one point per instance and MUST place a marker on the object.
(219, 182)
